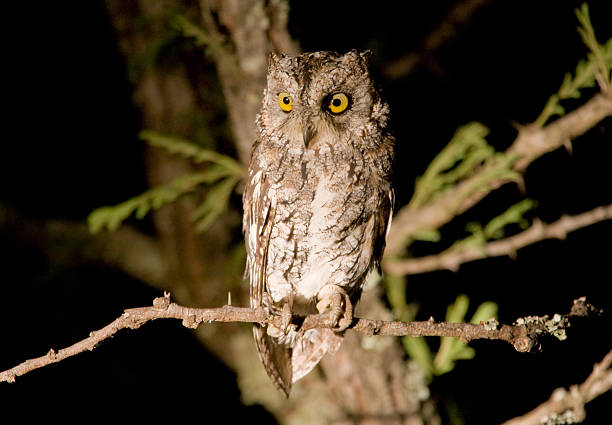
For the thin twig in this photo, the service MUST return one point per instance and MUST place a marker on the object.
(523, 335)
(453, 258)
(565, 406)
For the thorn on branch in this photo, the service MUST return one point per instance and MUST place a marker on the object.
(567, 144)
(162, 303)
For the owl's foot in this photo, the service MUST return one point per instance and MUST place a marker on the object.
(283, 327)
(337, 303)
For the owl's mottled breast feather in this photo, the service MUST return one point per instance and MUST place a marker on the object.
(315, 217)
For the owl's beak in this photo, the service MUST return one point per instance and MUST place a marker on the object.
(308, 132)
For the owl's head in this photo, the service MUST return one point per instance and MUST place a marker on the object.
(321, 96)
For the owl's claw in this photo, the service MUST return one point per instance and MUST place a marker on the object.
(286, 317)
(343, 317)
(282, 326)
(340, 308)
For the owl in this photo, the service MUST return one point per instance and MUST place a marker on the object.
(317, 203)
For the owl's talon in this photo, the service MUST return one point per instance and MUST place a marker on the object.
(286, 317)
(340, 308)
(345, 316)
(282, 316)
(268, 303)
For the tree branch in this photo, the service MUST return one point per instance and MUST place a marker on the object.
(453, 258)
(523, 335)
(531, 143)
(568, 406)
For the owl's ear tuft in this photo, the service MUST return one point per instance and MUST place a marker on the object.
(352, 55)
(367, 57)
(363, 59)
(273, 60)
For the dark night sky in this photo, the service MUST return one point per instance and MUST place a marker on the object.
(70, 146)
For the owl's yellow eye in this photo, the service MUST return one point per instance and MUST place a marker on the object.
(337, 103)
(285, 101)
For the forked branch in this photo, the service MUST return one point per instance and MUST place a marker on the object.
(567, 406)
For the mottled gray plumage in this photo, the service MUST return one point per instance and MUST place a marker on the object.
(318, 200)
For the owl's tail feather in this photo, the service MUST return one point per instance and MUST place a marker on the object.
(276, 359)
(286, 365)
(309, 349)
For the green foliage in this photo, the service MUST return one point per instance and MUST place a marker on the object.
(602, 55)
(221, 176)
(395, 288)
(467, 152)
(497, 167)
(454, 165)
(214, 204)
(416, 348)
(494, 229)
(450, 349)
(419, 351)
(597, 62)
(212, 43)
(513, 215)
(188, 29)
(467, 149)
(193, 152)
(111, 217)
(427, 235)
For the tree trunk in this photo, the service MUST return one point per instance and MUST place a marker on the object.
(370, 385)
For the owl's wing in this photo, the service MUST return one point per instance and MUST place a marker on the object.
(383, 220)
(259, 211)
(257, 225)
(391, 205)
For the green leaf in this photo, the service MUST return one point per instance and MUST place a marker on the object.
(190, 150)
(485, 311)
(455, 313)
(418, 350)
(191, 30)
(452, 349)
(395, 288)
(215, 203)
(513, 215)
(427, 235)
(599, 60)
(466, 151)
(111, 217)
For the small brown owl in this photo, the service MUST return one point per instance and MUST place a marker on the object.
(317, 202)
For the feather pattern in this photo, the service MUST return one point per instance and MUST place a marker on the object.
(317, 201)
